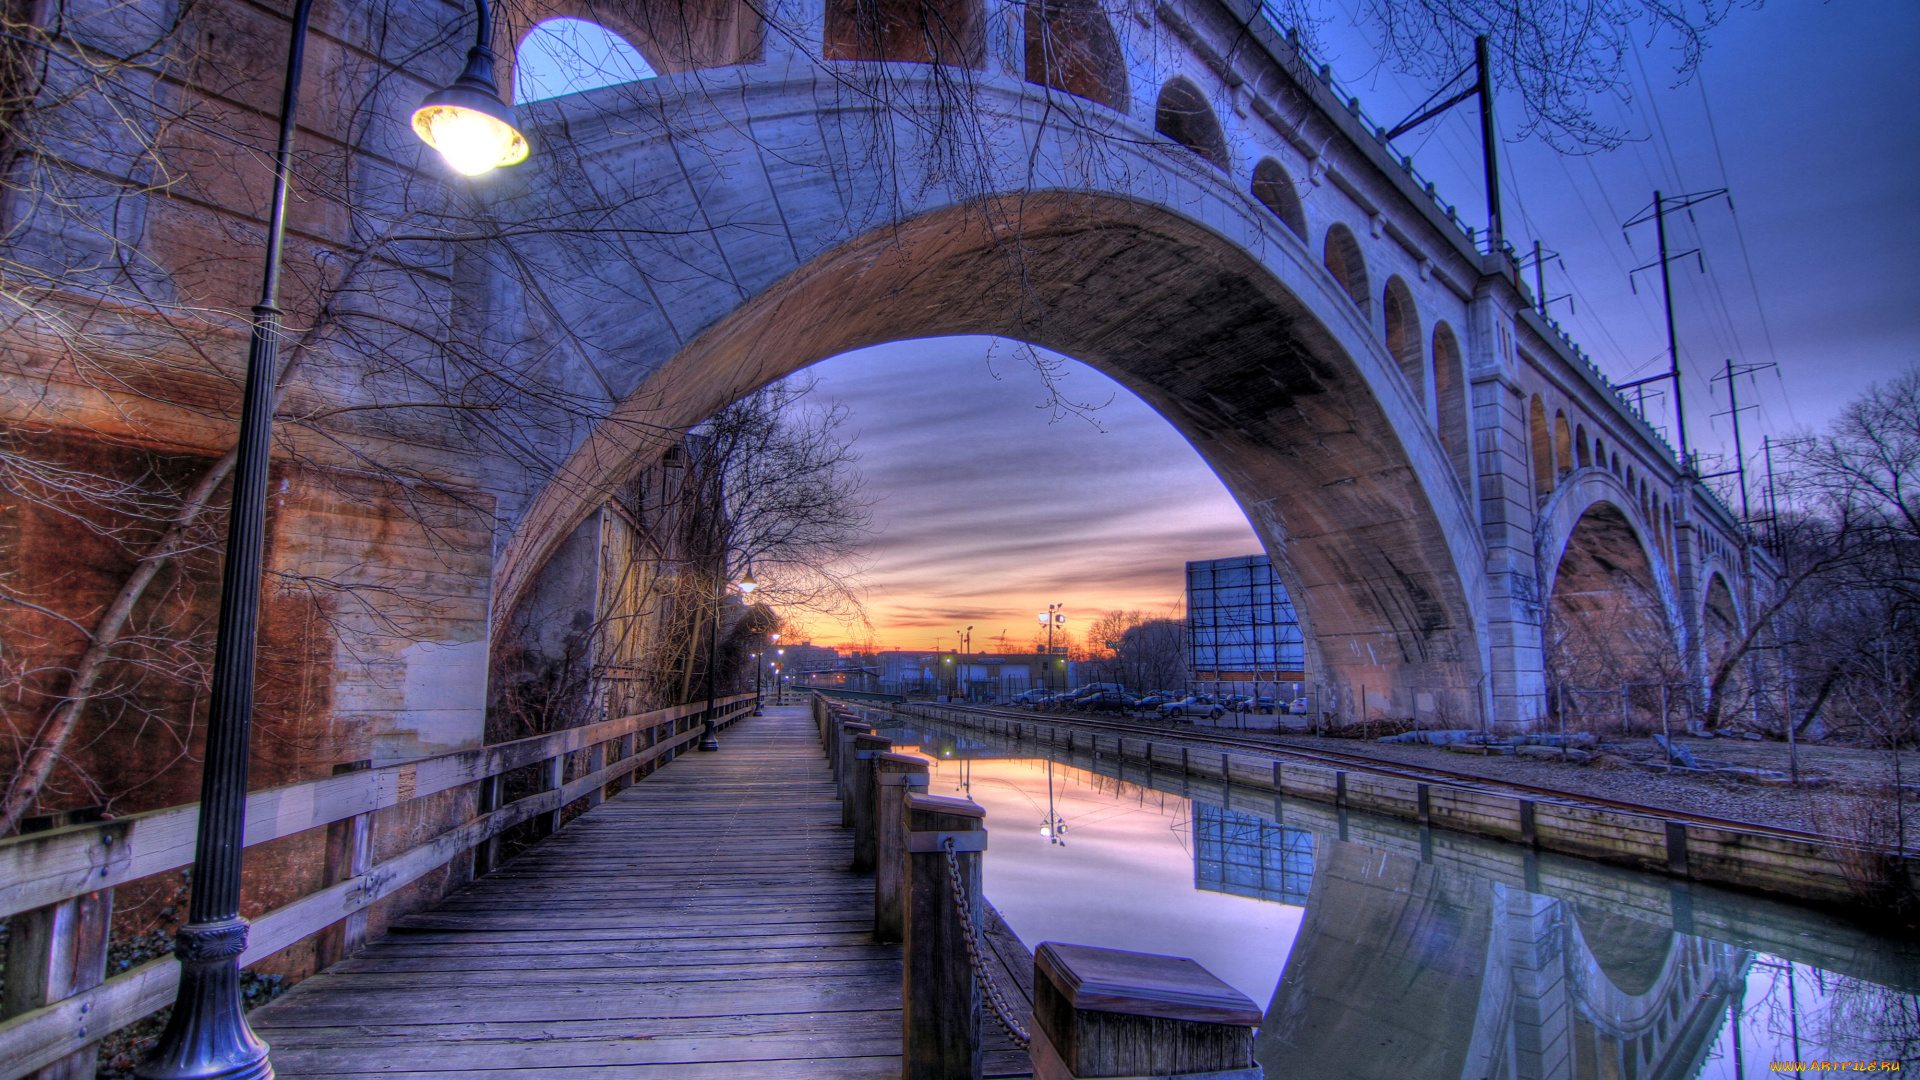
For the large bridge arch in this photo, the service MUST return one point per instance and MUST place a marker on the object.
(1281, 386)
(1611, 603)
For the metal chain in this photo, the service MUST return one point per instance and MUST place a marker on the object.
(982, 978)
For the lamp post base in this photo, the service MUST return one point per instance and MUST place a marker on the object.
(707, 742)
(207, 1037)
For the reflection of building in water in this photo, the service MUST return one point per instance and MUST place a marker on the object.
(1243, 855)
(1408, 969)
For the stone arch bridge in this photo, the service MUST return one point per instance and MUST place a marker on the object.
(1170, 194)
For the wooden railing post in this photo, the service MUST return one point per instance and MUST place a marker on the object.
(866, 748)
(486, 854)
(628, 743)
(596, 760)
(940, 1002)
(55, 952)
(349, 854)
(849, 730)
(1107, 1012)
(896, 777)
(553, 774)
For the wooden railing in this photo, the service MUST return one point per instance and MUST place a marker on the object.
(56, 886)
(1095, 1012)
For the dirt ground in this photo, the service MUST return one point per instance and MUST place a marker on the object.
(1846, 789)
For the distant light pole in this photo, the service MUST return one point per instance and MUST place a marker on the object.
(746, 585)
(207, 1037)
(1050, 618)
(756, 682)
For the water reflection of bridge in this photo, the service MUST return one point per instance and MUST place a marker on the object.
(1409, 968)
(1425, 953)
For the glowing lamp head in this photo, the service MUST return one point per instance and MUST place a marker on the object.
(468, 123)
(747, 584)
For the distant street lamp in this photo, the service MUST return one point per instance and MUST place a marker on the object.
(1051, 618)
(207, 1037)
(746, 585)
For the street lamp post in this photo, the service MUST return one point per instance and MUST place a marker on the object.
(746, 585)
(207, 1037)
(1050, 618)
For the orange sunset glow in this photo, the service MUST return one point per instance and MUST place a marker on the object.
(989, 506)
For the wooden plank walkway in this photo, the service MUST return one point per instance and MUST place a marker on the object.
(701, 923)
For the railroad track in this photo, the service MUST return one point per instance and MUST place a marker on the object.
(1363, 763)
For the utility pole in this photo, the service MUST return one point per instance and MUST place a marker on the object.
(1663, 206)
(1732, 372)
(1489, 150)
(1773, 506)
(1489, 135)
(1538, 261)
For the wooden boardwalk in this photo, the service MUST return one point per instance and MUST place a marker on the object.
(701, 923)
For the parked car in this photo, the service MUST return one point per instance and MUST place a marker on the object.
(1105, 701)
(1266, 705)
(1297, 707)
(1237, 703)
(1156, 699)
(1032, 697)
(1189, 707)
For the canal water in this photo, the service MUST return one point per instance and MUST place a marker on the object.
(1378, 949)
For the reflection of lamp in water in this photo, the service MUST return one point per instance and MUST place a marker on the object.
(1052, 827)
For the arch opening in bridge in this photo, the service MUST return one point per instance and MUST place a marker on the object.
(570, 56)
(681, 35)
(1562, 445)
(1334, 467)
(1348, 265)
(1608, 619)
(1071, 47)
(947, 32)
(1185, 116)
(1450, 403)
(1403, 335)
(1540, 436)
(1721, 627)
(1275, 190)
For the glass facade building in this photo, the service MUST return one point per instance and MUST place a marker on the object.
(1242, 855)
(1240, 624)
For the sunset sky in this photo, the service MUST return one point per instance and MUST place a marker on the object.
(989, 507)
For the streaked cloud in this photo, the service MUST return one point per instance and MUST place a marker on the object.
(990, 506)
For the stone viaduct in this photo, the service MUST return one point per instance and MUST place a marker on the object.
(1169, 192)
(1173, 195)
